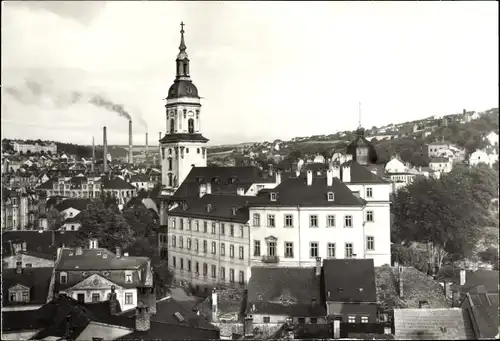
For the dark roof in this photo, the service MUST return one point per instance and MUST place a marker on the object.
(165, 310)
(182, 88)
(224, 180)
(37, 279)
(488, 278)
(184, 137)
(316, 166)
(360, 141)
(438, 160)
(74, 219)
(49, 184)
(88, 260)
(362, 174)
(269, 289)
(349, 280)
(15, 321)
(484, 311)
(314, 195)
(116, 183)
(221, 207)
(37, 241)
(79, 204)
(140, 178)
(164, 331)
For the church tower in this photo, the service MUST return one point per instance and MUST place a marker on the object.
(183, 146)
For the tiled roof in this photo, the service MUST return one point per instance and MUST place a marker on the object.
(140, 178)
(74, 219)
(294, 291)
(349, 280)
(488, 278)
(313, 195)
(37, 279)
(220, 179)
(221, 207)
(485, 313)
(93, 259)
(169, 138)
(116, 183)
(432, 324)
(438, 160)
(361, 174)
(79, 204)
(40, 242)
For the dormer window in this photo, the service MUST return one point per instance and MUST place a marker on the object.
(128, 277)
(63, 277)
(331, 196)
(274, 196)
(19, 293)
(209, 207)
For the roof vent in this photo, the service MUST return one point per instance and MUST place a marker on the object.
(179, 317)
(360, 289)
(209, 207)
(340, 289)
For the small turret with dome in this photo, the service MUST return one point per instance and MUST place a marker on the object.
(362, 150)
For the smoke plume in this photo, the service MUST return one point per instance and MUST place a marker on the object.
(104, 103)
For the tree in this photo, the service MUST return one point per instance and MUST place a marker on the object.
(142, 193)
(141, 220)
(108, 227)
(54, 219)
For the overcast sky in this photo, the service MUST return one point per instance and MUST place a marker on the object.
(265, 70)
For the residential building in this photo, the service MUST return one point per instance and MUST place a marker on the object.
(88, 275)
(183, 146)
(20, 210)
(142, 181)
(440, 164)
(71, 212)
(482, 156)
(492, 138)
(17, 255)
(395, 165)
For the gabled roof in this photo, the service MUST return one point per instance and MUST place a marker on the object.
(294, 291)
(221, 180)
(488, 278)
(349, 280)
(40, 242)
(37, 279)
(362, 174)
(221, 207)
(79, 204)
(93, 259)
(116, 183)
(314, 195)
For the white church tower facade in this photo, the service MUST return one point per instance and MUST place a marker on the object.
(183, 145)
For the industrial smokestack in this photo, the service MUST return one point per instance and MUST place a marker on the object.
(93, 154)
(147, 152)
(130, 160)
(105, 143)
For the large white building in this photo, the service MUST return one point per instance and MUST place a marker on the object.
(183, 146)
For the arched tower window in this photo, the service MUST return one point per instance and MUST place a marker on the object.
(170, 180)
(169, 163)
(191, 126)
(172, 126)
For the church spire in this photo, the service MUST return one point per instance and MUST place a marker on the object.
(182, 58)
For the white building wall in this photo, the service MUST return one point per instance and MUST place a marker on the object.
(104, 331)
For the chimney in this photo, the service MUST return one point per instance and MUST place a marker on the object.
(93, 155)
(462, 277)
(309, 177)
(297, 173)
(214, 306)
(233, 210)
(142, 317)
(240, 191)
(118, 252)
(271, 171)
(248, 327)
(346, 173)
(113, 302)
(19, 267)
(209, 188)
(147, 152)
(400, 281)
(318, 266)
(130, 160)
(336, 171)
(25, 246)
(329, 177)
(105, 144)
(79, 251)
(278, 177)
(203, 190)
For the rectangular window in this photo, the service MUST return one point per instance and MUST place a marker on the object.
(330, 221)
(313, 250)
(271, 249)
(242, 234)
(241, 252)
(231, 275)
(173, 223)
(313, 220)
(189, 224)
(182, 263)
(370, 243)
(205, 269)
(288, 220)
(214, 271)
(197, 268)
(231, 251)
(348, 221)
(129, 298)
(288, 249)
(188, 243)
(331, 250)
(314, 320)
(369, 216)
(189, 265)
(222, 249)
(214, 246)
(174, 262)
(231, 230)
(352, 319)
(222, 273)
(205, 227)
(26, 296)
(205, 246)
(196, 245)
(197, 225)
(242, 277)
(369, 192)
(213, 228)
(271, 221)
(96, 298)
(173, 241)
(266, 319)
(256, 219)
(181, 242)
(222, 229)
(256, 248)
(128, 278)
(364, 319)
(181, 224)
(348, 250)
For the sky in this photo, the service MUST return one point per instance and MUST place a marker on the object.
(265, 70)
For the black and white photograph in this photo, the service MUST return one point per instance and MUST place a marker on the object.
(250, 170)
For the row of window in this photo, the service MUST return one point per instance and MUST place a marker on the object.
(213, 268)
(314, 320)
(313, 248)
(63, 276)
(96, 297)
(222, 247)
(222, 227)
(19, 296)
(198, 151)
(313, 220)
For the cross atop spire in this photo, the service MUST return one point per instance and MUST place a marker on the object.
(182, 46)
(359, 114)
